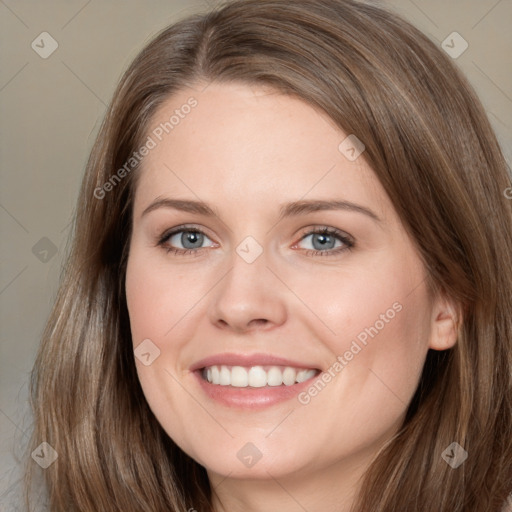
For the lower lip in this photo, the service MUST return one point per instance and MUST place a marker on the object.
(251, 398)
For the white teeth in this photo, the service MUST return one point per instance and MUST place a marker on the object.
(289, 375)
(239, 377)
(303, 375)
(274, 377)
(256, 376)
(225, 376)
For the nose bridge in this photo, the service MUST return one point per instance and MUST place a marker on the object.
(248, 274)
(248, 291)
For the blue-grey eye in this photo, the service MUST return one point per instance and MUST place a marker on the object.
(188, 239)
(323, 241)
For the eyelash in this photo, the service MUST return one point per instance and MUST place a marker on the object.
(349, 244)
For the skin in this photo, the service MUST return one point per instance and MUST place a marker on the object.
(246, 151)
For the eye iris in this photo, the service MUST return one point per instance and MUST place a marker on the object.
(193, 237)
(324, 241)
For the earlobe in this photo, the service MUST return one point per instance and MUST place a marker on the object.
(446, 319)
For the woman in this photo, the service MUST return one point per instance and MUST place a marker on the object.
(259, 368)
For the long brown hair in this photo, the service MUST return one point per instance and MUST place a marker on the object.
(430, 144)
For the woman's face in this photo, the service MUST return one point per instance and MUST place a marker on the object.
(245, 181)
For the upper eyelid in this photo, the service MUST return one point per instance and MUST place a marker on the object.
(178, 229)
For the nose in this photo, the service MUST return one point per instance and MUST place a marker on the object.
(248, 297)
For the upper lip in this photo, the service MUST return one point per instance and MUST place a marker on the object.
(248, 360)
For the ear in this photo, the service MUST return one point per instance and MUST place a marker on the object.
(445, 322)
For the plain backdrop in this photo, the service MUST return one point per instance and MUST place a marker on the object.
(51, 109)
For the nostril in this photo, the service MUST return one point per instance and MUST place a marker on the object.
(259, 321)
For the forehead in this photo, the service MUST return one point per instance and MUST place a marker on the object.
(245, 143)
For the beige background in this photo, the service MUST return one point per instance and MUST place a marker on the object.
(51, 109)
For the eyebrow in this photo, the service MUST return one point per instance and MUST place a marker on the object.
(292, 209)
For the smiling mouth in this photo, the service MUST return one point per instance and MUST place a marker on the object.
(256, 376)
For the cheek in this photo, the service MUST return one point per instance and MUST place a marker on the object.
(366, 297)
(377, 356)
(374, 322)
(158, 298)
(156, 302)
